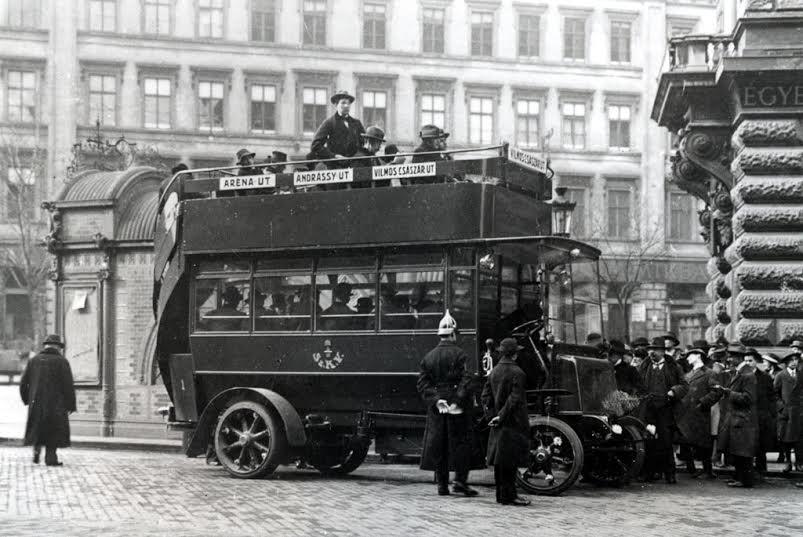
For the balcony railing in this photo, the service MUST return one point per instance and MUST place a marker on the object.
(698, 52)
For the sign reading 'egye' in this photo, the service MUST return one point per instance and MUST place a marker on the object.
(527, 160)
(402, 171)
(772, 96)
(323, 177)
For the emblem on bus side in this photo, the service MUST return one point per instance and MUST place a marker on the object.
(329, 358)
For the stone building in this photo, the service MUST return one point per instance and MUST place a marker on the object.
(736, 99)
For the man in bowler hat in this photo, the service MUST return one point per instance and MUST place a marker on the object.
(47, 389)
(338, 137)
(628, 379)
(505, 403)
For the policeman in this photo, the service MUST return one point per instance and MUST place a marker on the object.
(444, 385)
(338, 137)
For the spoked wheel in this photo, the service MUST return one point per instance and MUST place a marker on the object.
(248, 441)
(349, 461)
(618, 461)
(555, 458)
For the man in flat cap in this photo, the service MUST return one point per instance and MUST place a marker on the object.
(46, 387)
(338, 137)
(504, 400)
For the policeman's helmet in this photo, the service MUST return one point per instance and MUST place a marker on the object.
(447, 326)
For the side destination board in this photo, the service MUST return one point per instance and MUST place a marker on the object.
(247, 182)
(323, 177)
(528, 160)
(403, 171)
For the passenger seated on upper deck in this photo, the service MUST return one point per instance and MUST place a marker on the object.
(373, 138)
(246, 158)
(433, 141)
(339, 135)
(227, 318)
(339, 316)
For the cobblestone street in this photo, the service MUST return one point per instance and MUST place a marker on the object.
(110, 493)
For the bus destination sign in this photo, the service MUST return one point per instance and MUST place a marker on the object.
(403, 171)
(323, 177)
(527, 160)
(240, 182)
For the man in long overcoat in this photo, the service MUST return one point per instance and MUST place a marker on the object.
(505, 403)
(444, 384)
(628, 379)
(47, 388)
(766, 411)
(665, 387)
(338, 137)
(694, 412)
(738, 429)
(788, 389)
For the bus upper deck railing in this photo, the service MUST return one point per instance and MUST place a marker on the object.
(304, 172)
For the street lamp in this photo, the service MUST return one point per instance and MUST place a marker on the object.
(561, 213)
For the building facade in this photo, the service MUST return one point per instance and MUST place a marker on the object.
(199, 79)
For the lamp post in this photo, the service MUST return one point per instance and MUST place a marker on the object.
(561, 213)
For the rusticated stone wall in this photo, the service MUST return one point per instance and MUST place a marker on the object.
(766, 257)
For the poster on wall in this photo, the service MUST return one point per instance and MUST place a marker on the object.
(80, 322)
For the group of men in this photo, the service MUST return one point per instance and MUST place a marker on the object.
(712, 401)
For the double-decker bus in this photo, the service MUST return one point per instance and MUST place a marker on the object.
(291, 327)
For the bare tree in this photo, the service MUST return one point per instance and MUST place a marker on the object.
(23, 168)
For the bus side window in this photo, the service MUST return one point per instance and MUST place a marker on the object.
(411, 300)
(461, 297)
(346, 301)
(282, 303)
(221, 305)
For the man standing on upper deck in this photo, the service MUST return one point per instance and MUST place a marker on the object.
(338, 137)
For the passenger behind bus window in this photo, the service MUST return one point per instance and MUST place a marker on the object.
(395, 309)
(267, 317)
(427, 312)
(299, 311)
(227, 318)
(365, 308)
(339, 316)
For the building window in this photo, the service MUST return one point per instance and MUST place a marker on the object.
(314, 100)
(620, 41)
(433, 109)
(315, 22)
(103, 99)
(102, 15)
(210, 18)
(619, 221)
(22, 13)
(210, 106)
(158, 96)
(574, 38)
(529, 26)
(482, 31)
(263, 108)
(682, 217)
(480, 120)
(263, 20)
(432, 40)
(527, 122)
(578, 196)
(157, 17)
(21, 103)
(574, 125)
(20, 194)
(619, 126)
(375, 108)
(373, 27)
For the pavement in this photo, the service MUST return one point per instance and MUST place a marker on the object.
(121, 493)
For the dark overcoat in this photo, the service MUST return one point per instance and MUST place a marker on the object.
(658, 408)
(738, 428)
(788, 391)
(694, 410)
(47, 388)
(443, 375)
(334, 138)
(628, 379)
(767, 411)
(504, 396)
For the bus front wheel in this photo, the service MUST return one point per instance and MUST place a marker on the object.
(249, 441)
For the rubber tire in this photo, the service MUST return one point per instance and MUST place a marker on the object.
(635, 468)
(577, 447)
(352, 461)
(278, 439)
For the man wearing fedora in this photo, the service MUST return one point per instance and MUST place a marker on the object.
(433, 143)
(47, 389)
(505, 403)
(789, 391)
(338, 137)
(227, 317)
(628, 379)
(766, 410)
(665, 387)
(245, 159)
(694, 411)
(339, 316)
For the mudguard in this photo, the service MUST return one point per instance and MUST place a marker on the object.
(293, 426)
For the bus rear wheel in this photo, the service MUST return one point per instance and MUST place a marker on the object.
(249, 441)
(349, 461)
